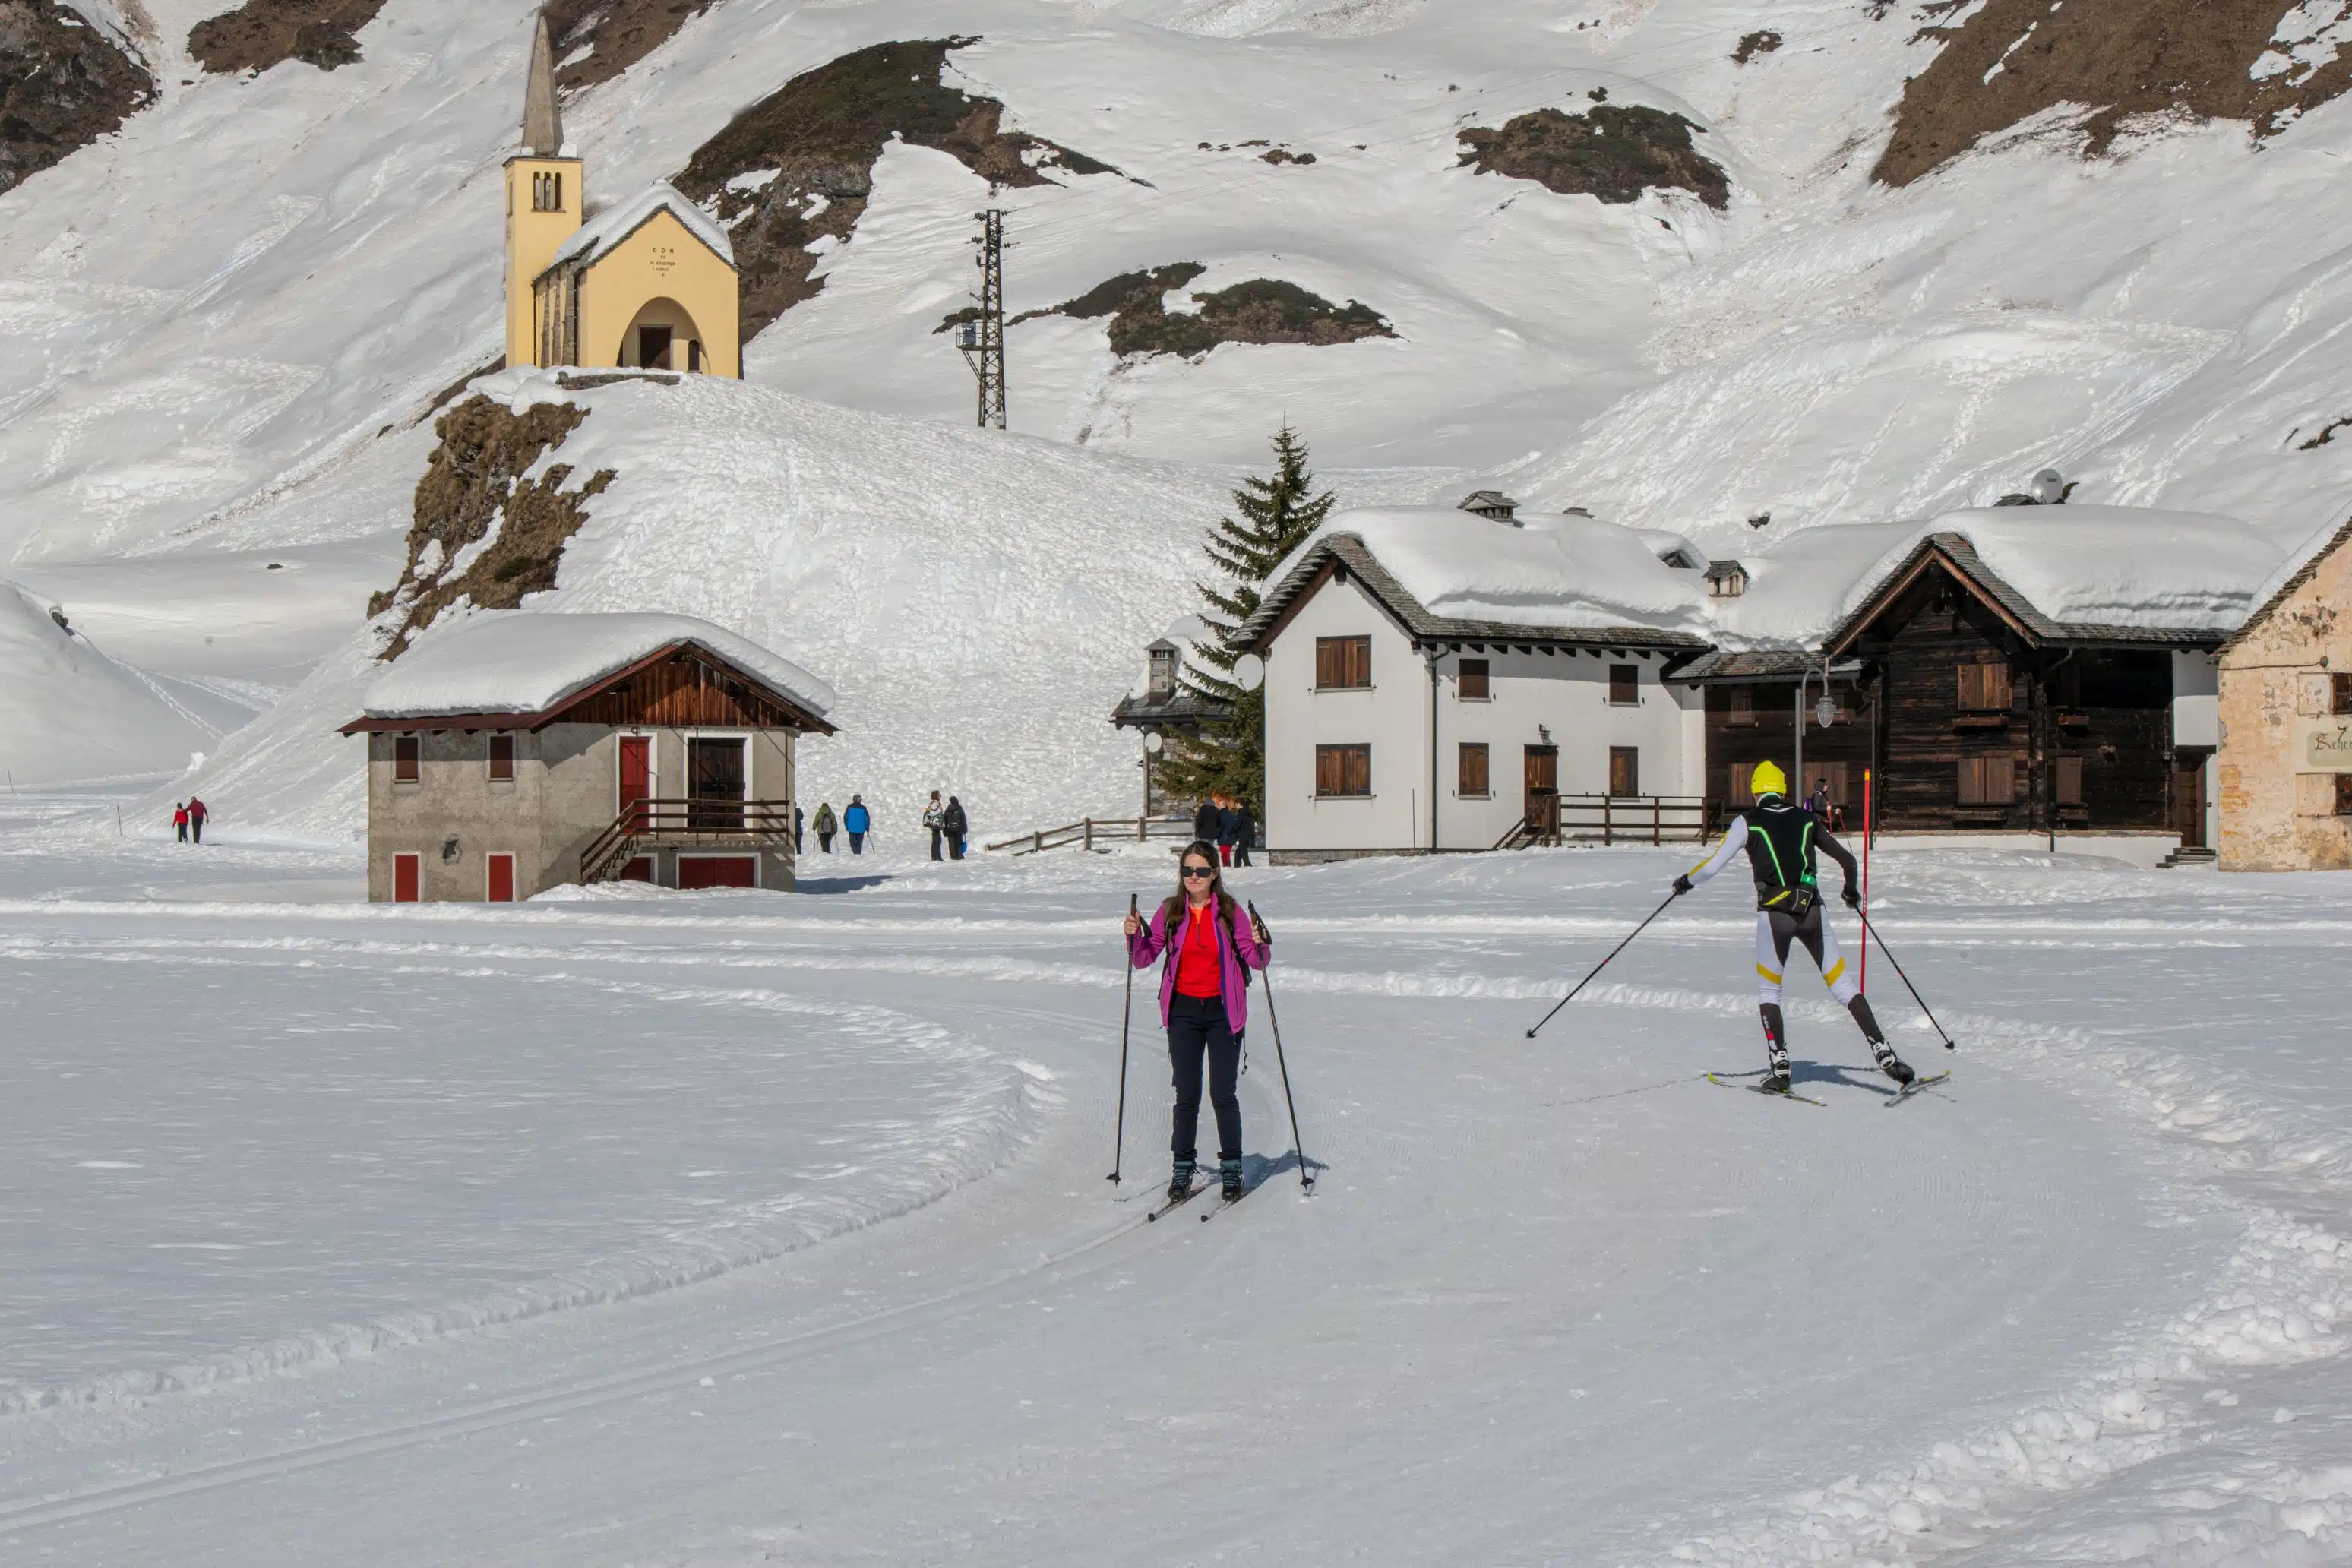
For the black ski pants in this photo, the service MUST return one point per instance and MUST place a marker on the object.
(1197, 1026)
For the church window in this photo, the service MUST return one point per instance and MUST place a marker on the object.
(547, 192)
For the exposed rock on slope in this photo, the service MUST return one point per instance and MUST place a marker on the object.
(262, 33)
(2258, 60)
(615, 33)
(1609, 152)
(63, 85)
(798, 165)
(1262, 310)
(482, 531)
(1754, 46)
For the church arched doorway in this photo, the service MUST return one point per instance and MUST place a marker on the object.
(663, 335)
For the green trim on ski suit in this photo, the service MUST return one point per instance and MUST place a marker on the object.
(1776, 826)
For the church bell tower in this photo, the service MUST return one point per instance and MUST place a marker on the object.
(543, 200)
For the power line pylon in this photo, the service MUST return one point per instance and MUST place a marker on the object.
(983, 339)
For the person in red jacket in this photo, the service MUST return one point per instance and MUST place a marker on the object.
(179, 819)
(1203, 999)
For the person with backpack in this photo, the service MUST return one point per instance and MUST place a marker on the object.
(1207, 951)
(180, 818)
(933, 815)
(956, 825)
(859, 822)
(1780, 841)
(827, 826)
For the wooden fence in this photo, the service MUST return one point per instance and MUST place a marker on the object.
(1089, 831)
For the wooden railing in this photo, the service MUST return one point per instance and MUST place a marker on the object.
(1636, 818)
(755, 822)
(1088, 831)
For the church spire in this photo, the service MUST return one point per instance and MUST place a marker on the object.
(542, 127)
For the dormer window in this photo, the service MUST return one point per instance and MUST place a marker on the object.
(1727, 580)
(1494, 504)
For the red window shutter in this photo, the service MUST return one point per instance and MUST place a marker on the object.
(404, 879)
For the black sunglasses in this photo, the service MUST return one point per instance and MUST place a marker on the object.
(1191, 871)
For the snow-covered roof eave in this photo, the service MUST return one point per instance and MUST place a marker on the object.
(608, 230)
(522, 670)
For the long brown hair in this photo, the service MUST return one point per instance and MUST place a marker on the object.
(1222, 900)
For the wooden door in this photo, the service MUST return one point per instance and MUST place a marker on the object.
(637, 777)
(1542, 771)
(714, 783)
(2188, 805)
(501, 888)
(1624, 771)
(404, 879)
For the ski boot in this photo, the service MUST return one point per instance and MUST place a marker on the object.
(1776, 1052)
(1231, 1170)
(1890, 1064)
(1181, 1185)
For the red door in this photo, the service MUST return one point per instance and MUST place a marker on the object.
(718, 871)
(501, 878)
(636, 772)
(404, 879)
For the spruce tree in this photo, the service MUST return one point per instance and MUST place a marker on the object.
(1276, 515)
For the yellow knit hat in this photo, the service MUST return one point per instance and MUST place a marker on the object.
(1768, 779)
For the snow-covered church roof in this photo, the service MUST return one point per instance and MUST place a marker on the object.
(609, 227)
(529, 663)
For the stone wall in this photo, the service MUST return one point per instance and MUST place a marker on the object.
(2278, 807)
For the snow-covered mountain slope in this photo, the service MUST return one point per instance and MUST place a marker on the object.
(235, 312)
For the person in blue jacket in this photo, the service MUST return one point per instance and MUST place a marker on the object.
(858, 823)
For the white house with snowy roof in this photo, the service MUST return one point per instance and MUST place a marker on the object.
(648, 283)
(521, 750)
(1451, 678)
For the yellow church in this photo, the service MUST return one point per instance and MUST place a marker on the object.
(650, 284)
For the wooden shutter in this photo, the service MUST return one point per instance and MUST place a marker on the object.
(1341, 663)
(1624, 685)
(1739, 785)
(1624, 771)
(2343, 703)
(1356, 775)
(1327, 768)
(2344, 795)
(1988, 781)
(1743, 708)
(1984, 687)
(1471, 777)
(407, 758)
(1474, 681)
(2070, 781)
(502, 756)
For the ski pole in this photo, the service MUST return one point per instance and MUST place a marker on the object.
(1603, 964)
(1298, 1147)
(1118, 1146)
(1889, 952)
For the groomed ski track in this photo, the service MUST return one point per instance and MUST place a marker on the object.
(1548, 1302)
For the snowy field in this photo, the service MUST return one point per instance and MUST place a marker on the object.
(653, 1229)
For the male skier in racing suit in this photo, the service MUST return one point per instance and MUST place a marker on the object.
(1781, 840)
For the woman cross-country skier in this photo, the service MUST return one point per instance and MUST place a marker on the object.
(1203, 1002)
(1781, 840)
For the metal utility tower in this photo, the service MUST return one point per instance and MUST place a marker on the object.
(983, 341)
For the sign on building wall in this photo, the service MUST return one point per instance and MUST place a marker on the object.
(2327, 746)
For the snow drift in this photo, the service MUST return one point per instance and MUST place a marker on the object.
(69, 712)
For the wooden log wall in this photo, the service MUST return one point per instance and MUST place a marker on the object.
(685, 689)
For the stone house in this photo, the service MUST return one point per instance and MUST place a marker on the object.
(2286, 718)
(522, 750)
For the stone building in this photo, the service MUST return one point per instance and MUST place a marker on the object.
(2287, 719)
(647, 284)
(522, 750)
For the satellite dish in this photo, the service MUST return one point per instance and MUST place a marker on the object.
(1153, 743)
(1249, 672)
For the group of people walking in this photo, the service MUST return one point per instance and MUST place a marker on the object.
(1224, 823)
(188, 815)
(947, 822)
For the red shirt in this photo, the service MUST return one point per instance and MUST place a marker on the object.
(1200, 970)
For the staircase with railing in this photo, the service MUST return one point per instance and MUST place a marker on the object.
(685, 823)
(1554, 819)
